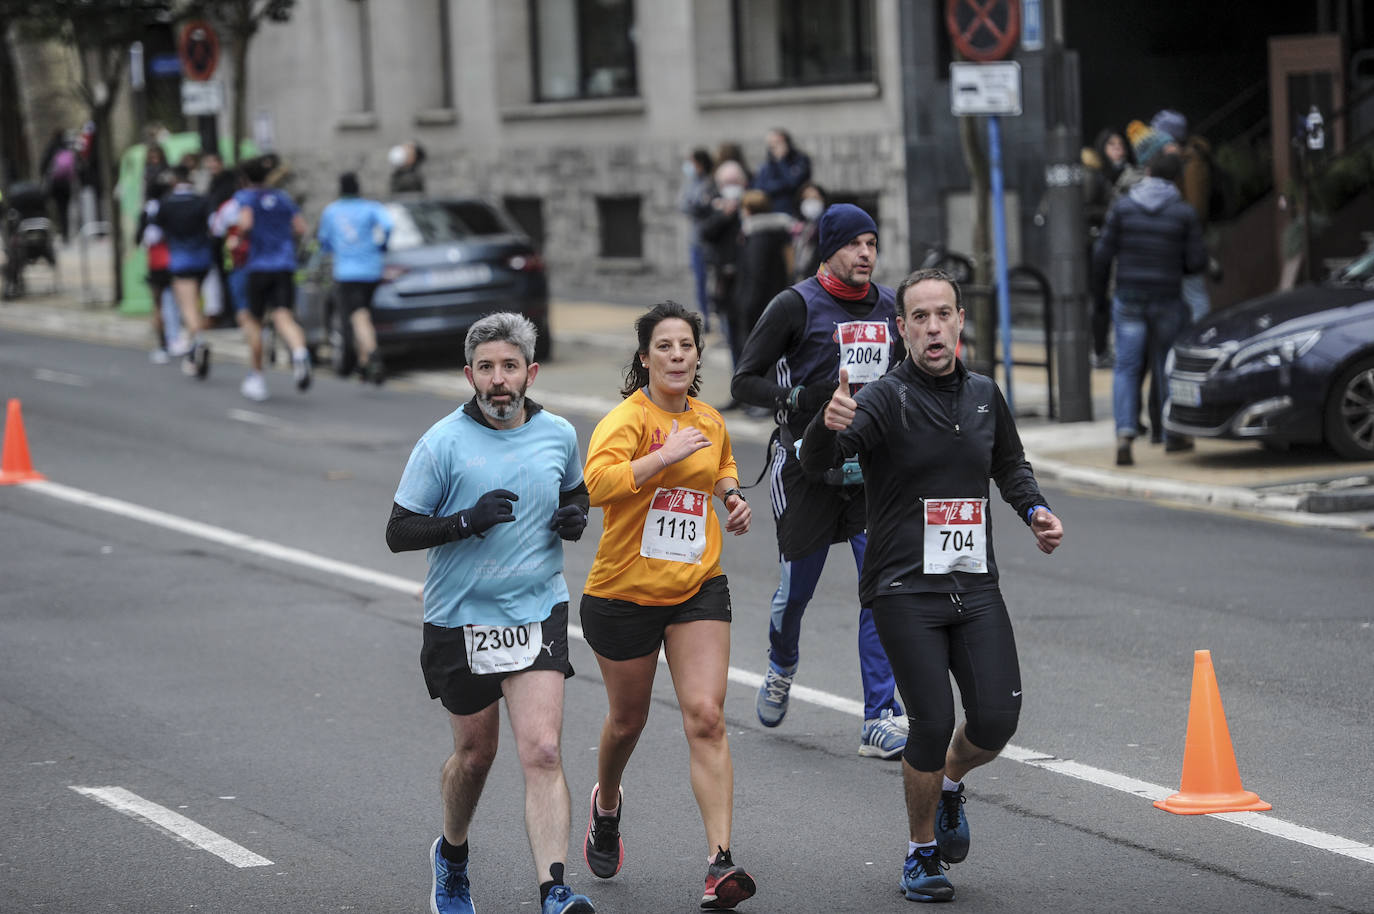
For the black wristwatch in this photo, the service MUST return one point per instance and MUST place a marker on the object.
(733, 490)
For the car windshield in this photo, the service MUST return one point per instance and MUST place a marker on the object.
(425, 222)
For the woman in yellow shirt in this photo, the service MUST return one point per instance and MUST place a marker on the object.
(654, 463)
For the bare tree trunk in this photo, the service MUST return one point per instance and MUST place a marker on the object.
(984, 314)
(13, 132)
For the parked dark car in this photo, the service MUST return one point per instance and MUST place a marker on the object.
(1293, 367)
(449, 262)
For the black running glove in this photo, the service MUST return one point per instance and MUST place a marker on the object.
(569, 521)
(491, 509)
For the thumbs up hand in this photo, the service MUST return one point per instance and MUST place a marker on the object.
(839, 412)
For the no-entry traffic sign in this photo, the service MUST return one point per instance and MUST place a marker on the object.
(984, 30)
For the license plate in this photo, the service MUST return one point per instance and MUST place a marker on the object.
(475, 274)
(1185, 393)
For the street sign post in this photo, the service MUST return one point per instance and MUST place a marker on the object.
(985, 88)
(198, 48)
(992, 90)
(202, 99)
(983, 30)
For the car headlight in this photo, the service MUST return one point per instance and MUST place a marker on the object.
(1277, 350)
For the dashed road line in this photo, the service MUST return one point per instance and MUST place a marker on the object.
(174, 823)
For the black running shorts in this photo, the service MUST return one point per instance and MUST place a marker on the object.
(621, 630)
(444, 662)
(268, 291)
(354, 296)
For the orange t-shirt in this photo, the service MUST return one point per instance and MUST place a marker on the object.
(634, 428)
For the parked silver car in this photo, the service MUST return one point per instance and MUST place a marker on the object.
(449, 262)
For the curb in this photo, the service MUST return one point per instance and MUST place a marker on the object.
(1288, 508)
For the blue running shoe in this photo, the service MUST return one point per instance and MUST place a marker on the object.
(450, 893)
(562, 900)
(772, 701)
(951, 826)
(883, 736)
(923, 878)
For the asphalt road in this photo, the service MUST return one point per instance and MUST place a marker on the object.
(275, 699)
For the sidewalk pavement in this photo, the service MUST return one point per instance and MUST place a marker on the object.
(1305, 487)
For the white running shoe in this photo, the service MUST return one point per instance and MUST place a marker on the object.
(180, 346)
(254, 387)
(159, 356)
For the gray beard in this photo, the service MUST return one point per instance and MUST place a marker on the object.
(501, 413)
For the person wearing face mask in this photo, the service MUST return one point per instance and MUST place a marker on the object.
(694, 201)
(807, 333)
(806, 232)
(720, 230)
(929, 434)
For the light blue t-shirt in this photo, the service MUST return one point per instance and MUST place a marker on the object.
(356, 231)
(271, 242)
(513, 573)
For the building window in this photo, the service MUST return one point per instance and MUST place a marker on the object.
(360, 99)
(445, 57)
(528, 213)
(583, 49)
(622, 232)
(782, 43)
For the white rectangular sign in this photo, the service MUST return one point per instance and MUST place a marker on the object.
(198, 97)
(985, 88)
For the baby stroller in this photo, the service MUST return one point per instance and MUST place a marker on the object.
(28, 235)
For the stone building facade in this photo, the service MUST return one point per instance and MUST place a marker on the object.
(578, 114)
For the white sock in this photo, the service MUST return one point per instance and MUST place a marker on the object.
(951, 785)
(301, 354)
(607, 812)
(912, 846)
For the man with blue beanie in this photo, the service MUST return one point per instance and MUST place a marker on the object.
(790, 364)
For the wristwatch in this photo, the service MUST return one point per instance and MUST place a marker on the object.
(733, 490)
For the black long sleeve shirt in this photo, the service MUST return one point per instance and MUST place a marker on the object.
(920, 437)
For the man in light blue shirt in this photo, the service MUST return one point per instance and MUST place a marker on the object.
(356, 230)
(491, 490)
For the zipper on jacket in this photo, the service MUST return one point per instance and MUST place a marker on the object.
(958, 403)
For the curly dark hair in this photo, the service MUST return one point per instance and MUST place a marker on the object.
(636, 374)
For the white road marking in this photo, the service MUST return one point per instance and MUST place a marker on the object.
(61, 377)
(252, 418)
(174, 823)
(1259, 822)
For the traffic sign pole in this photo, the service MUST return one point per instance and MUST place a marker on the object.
(999, 243)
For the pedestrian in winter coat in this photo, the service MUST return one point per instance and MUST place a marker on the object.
(783, 173)
(763, 266)
(1153, 235)
(695, 203)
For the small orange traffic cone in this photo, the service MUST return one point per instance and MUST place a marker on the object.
(1211, 780)
(15, 465)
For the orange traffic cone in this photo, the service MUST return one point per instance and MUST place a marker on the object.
(1211, 781)
(15, 465)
